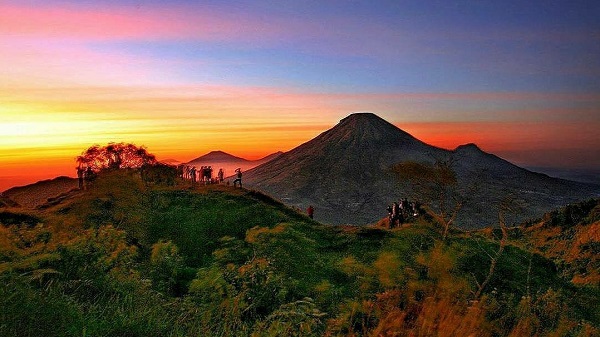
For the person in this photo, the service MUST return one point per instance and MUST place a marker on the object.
(238, 178)
(396, 215)
(193, 174)
(201, 173)
(208, 175)
(80, 173)
(311, 211)
(413, 208)
(88, 177)
(404, 206)
(220, 175)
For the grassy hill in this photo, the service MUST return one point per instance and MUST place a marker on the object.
(128, 259)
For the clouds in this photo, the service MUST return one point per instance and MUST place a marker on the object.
(359, 46)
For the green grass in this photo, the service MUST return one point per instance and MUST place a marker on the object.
(129, 260)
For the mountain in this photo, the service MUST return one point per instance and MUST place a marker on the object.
(270, 157)
(345, 173)
(228, 162)
(39, 193)
(170, 161)
(218, 156)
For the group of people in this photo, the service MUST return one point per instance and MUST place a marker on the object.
(204, 174)
(400, 211)
(85, 175)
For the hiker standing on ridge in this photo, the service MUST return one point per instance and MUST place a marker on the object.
(88, 176)
(208, 175)
(238, 178)
(193, 174)
(396, 215)
(220, 175)
(311, 211)
(80, 173)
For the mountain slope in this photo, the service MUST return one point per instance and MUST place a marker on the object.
(345, 174)
(38, 193)
(331, 170)
(570, 237)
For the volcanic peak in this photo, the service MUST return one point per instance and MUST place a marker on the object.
(217, 156)
(470, 147)
(366, 126)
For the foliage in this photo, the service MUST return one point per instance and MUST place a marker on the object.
(585, 212)
(570, 237)
(158, 174)
(115, 156)
(148, 260)
(166, 267)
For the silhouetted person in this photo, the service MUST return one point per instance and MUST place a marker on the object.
(238, 178)
(88, 176)
(80, 173)
(207, 174)
(193, 174)
(311, 211)
(220, 175)
(396, 215)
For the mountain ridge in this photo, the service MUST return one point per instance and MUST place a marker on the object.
(345, 173)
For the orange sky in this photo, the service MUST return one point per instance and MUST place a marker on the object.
(44, 129)
(187, 78)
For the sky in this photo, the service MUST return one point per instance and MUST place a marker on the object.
(519, 78)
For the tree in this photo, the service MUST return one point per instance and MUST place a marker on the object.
(507, 205)
(115, 156)
(436, 189)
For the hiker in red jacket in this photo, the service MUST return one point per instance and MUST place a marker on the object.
(311, 211)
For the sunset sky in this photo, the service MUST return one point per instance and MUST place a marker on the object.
(519, 78)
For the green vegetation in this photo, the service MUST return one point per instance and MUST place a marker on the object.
(127, 258)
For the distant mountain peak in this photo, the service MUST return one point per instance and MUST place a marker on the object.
(472, 147)
(217, 156)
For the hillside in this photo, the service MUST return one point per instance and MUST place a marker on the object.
(128, 259)
(345, 173)
(569, 236)
(34, 195)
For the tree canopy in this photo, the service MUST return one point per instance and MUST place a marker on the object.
(115, 156)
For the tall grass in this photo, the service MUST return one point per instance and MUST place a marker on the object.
(127, 259)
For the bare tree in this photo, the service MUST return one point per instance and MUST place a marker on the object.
(506, 206)
(435, 187)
